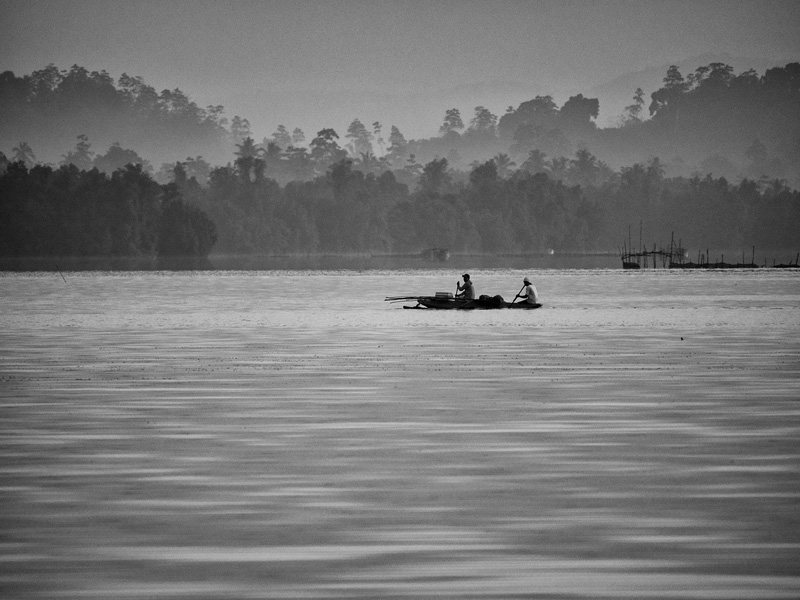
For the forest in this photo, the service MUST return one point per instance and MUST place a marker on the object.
(66, 212)
(540, 177)
(69, 212)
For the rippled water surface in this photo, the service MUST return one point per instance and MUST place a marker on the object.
(286, 434)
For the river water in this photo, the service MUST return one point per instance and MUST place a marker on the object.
(289, 434)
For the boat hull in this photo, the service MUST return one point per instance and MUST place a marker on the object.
(478, 304)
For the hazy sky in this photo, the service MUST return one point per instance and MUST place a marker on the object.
(315, 64)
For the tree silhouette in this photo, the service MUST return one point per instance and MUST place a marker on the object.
(539, 114)
(325, 150)
(240, 128)
(118, 157)
(298, 137)
(24, 154)
(583, 169)
(484, 123)
(248, 161)
(298, 164)
(248, 149)
(368, 163)
(360, 138)
(397, 144)
(376, 129)
(577, 113)
(282, 137)
(81, 156)
(633, 112)
(504, 164)
(665, 101)
(434, 178)
(452, 121)
(536, 162)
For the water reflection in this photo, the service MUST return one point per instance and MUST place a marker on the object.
(208, 436)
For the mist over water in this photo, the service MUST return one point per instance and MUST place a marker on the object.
(273, 434)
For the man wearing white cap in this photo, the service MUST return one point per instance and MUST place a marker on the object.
(528, 292)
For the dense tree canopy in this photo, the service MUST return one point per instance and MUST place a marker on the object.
(491, 209)
(549, 184)
(69, 212)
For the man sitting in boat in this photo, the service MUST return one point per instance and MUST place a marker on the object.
(528, 292)
(466, 291)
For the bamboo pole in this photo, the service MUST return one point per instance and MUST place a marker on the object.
(671, 244)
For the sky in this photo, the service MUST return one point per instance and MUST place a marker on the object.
(317, 64)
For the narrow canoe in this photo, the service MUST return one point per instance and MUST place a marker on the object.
(483, 303)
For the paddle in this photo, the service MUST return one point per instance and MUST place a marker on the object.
(518, 293)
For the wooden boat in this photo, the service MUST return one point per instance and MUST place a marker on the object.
(446, 301)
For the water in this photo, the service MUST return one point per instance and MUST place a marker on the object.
(289, 434)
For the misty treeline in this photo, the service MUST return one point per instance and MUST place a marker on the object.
(50, 107)
(710, 121)
(490, 209)
(67, 212)
(520, 183)
(47, 212)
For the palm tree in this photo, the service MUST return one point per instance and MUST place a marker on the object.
(368, 163)
(504, 164)
(24, 154)
(248, 160)
(583, 169)
(536, 162)
(248, 149)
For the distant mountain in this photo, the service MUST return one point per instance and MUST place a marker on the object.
(616, 94)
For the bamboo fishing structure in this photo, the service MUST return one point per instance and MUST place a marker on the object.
(675, 257)
(641, 259)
